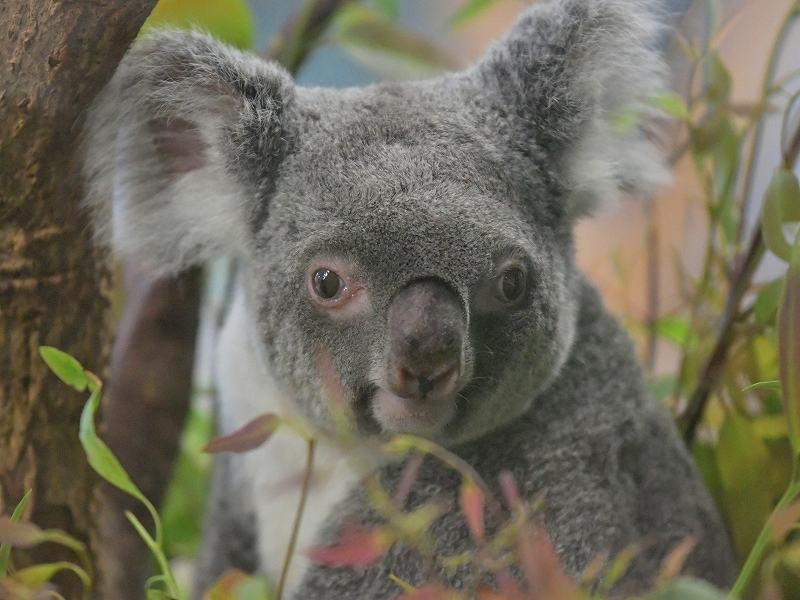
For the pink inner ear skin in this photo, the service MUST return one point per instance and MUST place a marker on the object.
(179, 145)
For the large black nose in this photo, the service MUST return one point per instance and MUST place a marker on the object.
(426, 340)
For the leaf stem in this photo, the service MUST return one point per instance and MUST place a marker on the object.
(298, 518)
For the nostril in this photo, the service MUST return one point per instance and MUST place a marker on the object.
(438, 383)
(404, 383)
(444, 382)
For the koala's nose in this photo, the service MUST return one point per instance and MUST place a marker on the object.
(426, 341)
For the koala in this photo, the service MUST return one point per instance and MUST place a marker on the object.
(406, 257)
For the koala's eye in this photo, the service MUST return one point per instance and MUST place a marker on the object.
(511, 284)
(327, 284)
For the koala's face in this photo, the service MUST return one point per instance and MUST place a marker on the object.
(401, 275)
(406, 248)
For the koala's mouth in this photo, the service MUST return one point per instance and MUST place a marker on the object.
(379, 412)
(366, 422)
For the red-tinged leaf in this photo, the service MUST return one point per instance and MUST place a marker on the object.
(224, 588)
(509, 588)
(541, 566)
(789, 346)
(356, 548)
(510, 489)
(20, 534)
(472, 502)
(249, 437)
(673, 563)
(407, 481)
(238, 585)
(784, 520)
(431, 591)
(484, 593)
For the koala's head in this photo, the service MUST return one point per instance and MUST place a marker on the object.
(406, 248)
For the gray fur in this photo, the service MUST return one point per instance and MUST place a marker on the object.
(207, 151)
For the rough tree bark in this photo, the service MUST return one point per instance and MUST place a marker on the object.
(55, 55)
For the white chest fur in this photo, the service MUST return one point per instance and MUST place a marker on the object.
(269, 478)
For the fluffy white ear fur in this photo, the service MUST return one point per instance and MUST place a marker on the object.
(568, 71)
(158, 145)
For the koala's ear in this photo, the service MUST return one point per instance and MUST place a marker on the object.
(182, 148)
(560, 80)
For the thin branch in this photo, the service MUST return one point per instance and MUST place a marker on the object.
(298, 517)
(300, 35)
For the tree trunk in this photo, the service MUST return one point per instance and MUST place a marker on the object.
(56, 55)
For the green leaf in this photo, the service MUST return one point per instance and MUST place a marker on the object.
(718, 79)
(372, 39)
(254, 588)
(742, 460)
(154, 593)
(780, 206)
(65, 367)
(5, 549)
(685, 588)
(228, 20)
(725, 153)
(387, 7)
(671, 104)
(100, 456)
(789, 346)
(470, 10)
(768, 298)
(36, 576)
(677, 330)
(763, 385)
(625, 120)
(184, 505)
(705, 457)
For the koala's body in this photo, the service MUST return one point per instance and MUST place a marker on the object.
(406, 257)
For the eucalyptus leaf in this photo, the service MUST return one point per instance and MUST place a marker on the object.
(66, 368)
(5, 549)
(100, 456)
(370, 37)
(671, 104)
(470, 10)
(763, 385)
(783, 195)
(387, 7)
(718, 79)
(789, 346)
(228, 20)
(768, 298)
(36, 576)
(742, 459)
